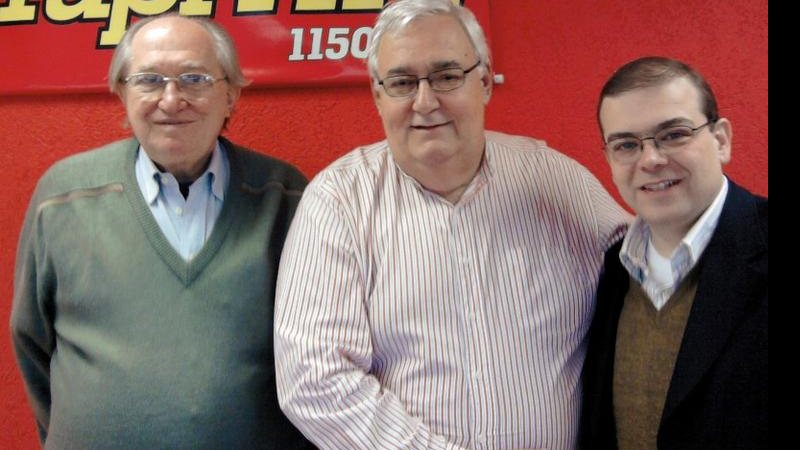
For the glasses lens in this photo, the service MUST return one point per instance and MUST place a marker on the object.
(196, 81)
(146, 82)
(674, 136)
(446, 80)
(624, 149)
(400, 86)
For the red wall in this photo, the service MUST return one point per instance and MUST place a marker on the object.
(554, 55)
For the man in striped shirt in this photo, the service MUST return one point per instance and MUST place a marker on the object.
(436, 287)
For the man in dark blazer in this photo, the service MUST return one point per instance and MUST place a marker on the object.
(677, 353)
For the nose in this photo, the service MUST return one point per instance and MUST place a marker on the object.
(425, 99)
(171, 99)
(651, 156)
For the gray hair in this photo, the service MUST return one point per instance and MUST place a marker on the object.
(398, 14)
(223, 48)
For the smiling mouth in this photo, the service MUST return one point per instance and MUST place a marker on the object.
(661, 186)
(172, 122)
(428, 127)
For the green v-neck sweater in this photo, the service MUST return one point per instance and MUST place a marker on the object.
(125, 345)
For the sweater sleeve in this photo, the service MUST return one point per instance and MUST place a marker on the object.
(32, 316)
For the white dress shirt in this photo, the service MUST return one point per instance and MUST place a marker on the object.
(660, 276)
(186, 222)
(404, 321)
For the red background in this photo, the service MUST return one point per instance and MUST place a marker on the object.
(61, 58)
(554, 55)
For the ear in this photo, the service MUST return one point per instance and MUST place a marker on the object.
(121, 94)
(232, 96)
(487, 80)
(723, 136)
(121, 91)
(377, 91)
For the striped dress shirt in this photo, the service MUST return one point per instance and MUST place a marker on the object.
(406, 322)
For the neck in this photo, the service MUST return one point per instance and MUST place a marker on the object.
(446, 180)
(449, 185)
(454, 194)
(186, 173)
(666, 241)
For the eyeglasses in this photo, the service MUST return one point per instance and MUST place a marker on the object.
(439, 80)
(626, 150)
(189, 83)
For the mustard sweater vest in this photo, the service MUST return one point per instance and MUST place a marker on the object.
(647, 348)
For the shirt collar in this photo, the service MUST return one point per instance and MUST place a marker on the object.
(149, 175)
(633, 254)
(696, 240)
(482, 176)
(218, 167)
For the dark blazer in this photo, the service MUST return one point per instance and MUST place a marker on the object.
(717, 397)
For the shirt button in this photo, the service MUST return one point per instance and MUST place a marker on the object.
(179, 211)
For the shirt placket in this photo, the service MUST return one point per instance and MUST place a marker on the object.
(462, 240)
(174, 205)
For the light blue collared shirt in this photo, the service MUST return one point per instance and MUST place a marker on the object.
(186, 223)
(643, 264)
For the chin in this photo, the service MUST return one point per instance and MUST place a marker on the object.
(436, 151)
(172, 145)
(664, 216)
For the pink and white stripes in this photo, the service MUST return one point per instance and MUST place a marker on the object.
(403, 321)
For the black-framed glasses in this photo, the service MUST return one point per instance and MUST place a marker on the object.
(627, 149)
(152, 82)
(439, 80)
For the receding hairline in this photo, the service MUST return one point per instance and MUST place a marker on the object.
(404, 29)
(222, 44)
(174, 18)
(397, 16)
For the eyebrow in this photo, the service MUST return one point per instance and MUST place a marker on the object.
(665, 124)
(185, 67)
(438, 65)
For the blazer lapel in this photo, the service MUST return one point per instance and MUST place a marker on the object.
(598, 412)
(729, 273)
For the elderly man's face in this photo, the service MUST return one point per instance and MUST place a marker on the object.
(432, 132)
(177, 129)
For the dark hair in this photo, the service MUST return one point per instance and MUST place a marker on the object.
(653, 71)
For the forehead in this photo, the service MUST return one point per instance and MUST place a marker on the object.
(173, 41)
(425, 43)
(643, 108)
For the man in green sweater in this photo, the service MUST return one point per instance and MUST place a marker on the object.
(145, 274)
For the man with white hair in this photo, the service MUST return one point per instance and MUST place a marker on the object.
(145, 277)
(436, 287)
